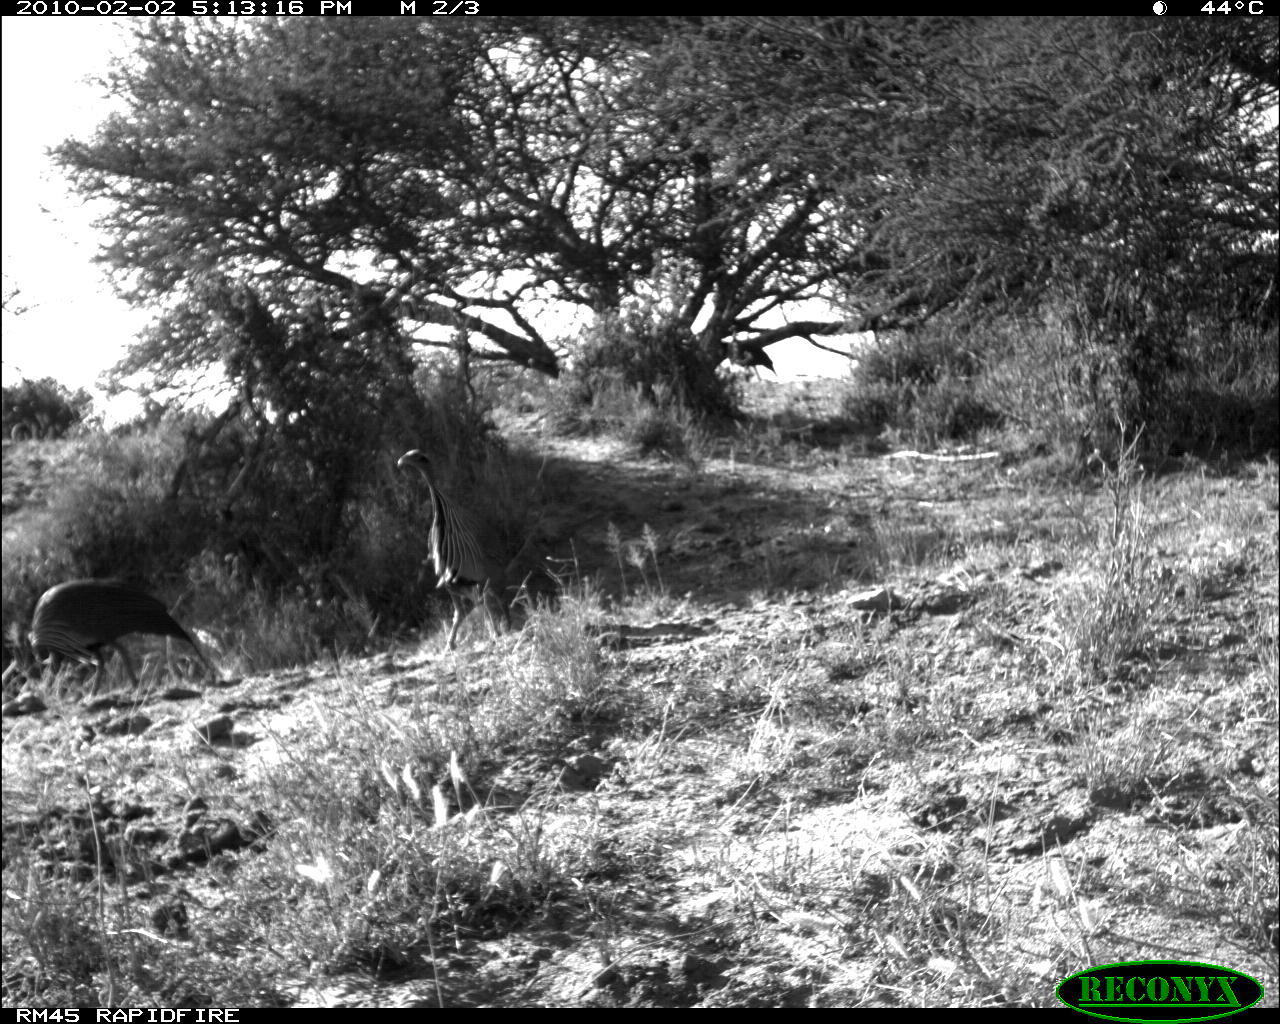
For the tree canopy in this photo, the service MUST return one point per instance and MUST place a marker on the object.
(392, 174)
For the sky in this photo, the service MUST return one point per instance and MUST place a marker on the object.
(71, 326)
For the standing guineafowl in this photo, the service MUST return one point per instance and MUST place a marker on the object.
(460, 560)
(80, 618)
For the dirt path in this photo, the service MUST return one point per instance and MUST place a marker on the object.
(846, 749)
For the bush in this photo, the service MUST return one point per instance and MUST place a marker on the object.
(108, 515)
(1067, 395)
(1226, 397)
(921, 385)
(921, 358)
(42, 409)
(641, 348)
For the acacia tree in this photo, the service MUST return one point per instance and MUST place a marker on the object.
(456, 174)
(289, 158)
(463, 173)
(1120, 171)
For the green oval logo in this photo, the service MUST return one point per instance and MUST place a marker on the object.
(1166, 990)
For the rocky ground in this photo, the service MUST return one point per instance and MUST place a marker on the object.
(856, 739)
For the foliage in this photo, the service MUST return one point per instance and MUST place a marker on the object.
(921, 357)
(1109, 624)
(664, 427)
(298, 195)
(653, 424)
(322, 406)
(635, 365)
(42, 409)
(477, 167)
(1225, 397)
(1028, 378)
(107, 517)
(922, 385)
(1117, 176)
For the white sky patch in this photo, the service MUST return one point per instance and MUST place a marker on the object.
(73, 326)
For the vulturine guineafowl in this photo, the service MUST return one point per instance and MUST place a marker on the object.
(79, 619)
(459, 559)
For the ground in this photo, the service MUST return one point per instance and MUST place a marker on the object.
(828, 728)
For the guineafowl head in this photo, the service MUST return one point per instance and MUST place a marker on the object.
(413, 457)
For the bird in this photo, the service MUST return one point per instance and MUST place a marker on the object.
(459, 559)
(79, 619)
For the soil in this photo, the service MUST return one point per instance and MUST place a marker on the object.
(841, 764)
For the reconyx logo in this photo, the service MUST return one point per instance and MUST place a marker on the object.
(1165, 990)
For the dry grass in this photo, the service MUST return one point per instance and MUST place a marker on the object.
(1059, 750)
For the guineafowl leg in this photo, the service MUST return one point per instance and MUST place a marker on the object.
(458, 614)
(204, 660)
(491, 599)
(99, 670)
(128, 665)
